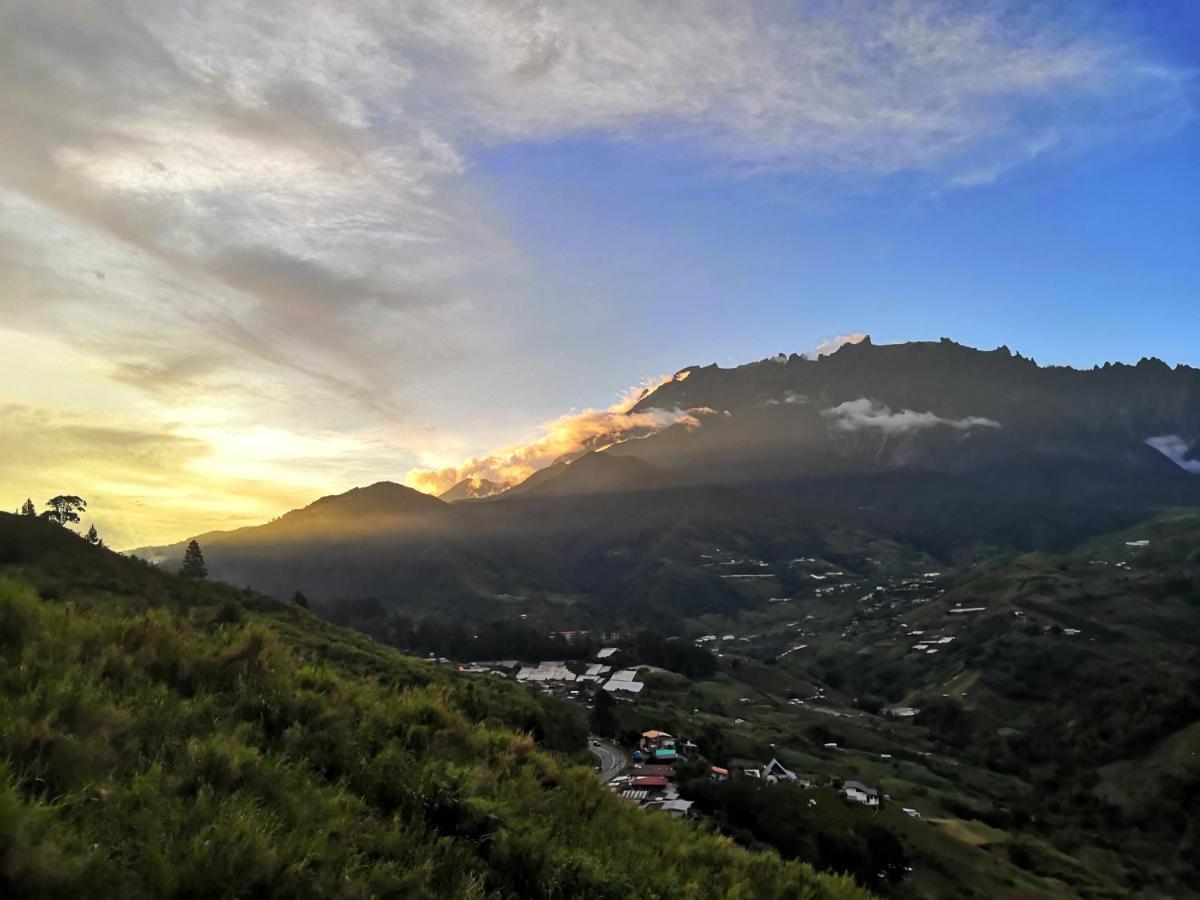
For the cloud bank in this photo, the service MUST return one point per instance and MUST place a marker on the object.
(860, 414)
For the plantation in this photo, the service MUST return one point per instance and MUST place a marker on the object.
(170, 738)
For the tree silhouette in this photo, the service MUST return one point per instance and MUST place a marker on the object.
(603, 719)
(64, 509)
(193, 562)
(29, 509)
(93, 537)
(298, 599)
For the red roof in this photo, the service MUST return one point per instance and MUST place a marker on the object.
(720, 771)
(649, 781)
(666, 771)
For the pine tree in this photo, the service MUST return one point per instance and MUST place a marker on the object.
(29, 509)
(193, 562)
(92, 536)
(298, 599)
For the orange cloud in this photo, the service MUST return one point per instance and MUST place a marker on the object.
(567, 437)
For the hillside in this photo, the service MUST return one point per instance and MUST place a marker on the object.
(167, 738)
(1074, 674)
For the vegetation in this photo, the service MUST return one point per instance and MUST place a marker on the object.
(161, 736)
(193, 562)
(64, 509)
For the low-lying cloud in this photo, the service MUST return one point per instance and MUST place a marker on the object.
(566, 437)
(1176, 449)
(860, 414)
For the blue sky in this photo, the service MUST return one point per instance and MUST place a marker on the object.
(257, 252)
(1072, 261)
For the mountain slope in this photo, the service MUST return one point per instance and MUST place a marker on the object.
(166, 738)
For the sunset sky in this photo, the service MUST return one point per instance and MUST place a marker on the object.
(253, 253)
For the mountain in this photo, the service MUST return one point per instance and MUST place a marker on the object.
(938, 406)
(168, 738)
(925, 449)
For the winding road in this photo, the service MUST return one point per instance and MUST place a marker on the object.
(613, 760)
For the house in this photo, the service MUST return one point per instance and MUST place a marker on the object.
(677, 808)
(719, 774)
(649, 783)
(616, 684)
(860, 793)
(658, 745)
(653, 770)
(777, 771)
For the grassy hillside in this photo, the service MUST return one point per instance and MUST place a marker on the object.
(165, 738)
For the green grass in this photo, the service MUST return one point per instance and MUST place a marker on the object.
(160, 738)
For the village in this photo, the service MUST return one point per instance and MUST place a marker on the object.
(649, 780)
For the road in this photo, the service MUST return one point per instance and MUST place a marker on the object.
(613, 760)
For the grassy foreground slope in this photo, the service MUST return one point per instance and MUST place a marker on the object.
(163, 738)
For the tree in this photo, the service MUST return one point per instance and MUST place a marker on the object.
(298, 599)
(93, 536)
(603, 719)
(64, 509)
(193, 562)
(29, 509)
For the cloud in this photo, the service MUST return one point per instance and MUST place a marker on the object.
(856, 415)
(1177, 450)
(564, 438)
(834, 344)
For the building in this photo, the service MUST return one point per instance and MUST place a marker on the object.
(677, 807)
(653, 770)
(860, 793)
(777, 771)
(658, 745)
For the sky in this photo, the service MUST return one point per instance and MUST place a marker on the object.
(255, 253)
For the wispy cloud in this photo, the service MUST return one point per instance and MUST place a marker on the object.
(860, 414)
